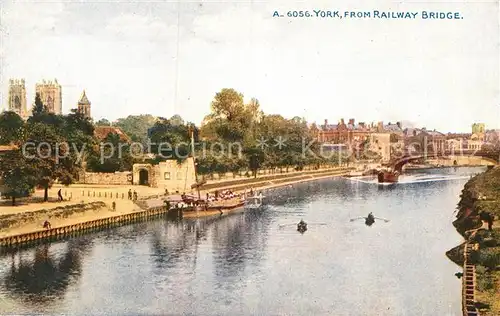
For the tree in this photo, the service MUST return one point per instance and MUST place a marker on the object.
(172, 139)
(136, 126)
(40, 114)
(39, 108)
(112, 158)
(103, 122)
(11, 128)
(230, 118)
(18, 176)
(79, 134)
(49, 155)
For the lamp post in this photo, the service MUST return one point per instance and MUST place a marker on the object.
(191, 135)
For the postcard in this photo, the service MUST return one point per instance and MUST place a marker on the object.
(249, 157)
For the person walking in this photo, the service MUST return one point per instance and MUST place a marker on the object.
(130, 194)
(59, 195)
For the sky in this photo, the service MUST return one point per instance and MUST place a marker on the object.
(168, 57)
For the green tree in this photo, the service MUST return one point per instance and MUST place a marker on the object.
(39, 108)
(136, 126)
(18, 176)
(40, 114)
(103, 122)
(113, 155)
(171, 138)
(11, 128)
(49, 154)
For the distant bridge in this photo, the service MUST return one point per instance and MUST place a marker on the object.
(491, 156)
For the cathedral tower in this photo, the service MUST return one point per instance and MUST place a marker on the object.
(51, 95)
(17, 98)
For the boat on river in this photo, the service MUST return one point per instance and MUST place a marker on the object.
(388, 176)
(301, 226)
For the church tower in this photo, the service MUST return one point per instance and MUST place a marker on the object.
(17, 97)
(51, 95)
(84, 105)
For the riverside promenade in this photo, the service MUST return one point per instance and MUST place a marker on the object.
(92, 206)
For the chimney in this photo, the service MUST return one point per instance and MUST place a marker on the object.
(326, 122)
(399, 124)
(342, 122)
(351, 121)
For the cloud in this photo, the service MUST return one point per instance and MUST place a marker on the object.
(233, 24)
(23, 17)
(140, 27)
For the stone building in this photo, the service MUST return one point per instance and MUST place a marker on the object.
(84, 105)
(492, 136)
(168, 174)
(17, 98)
(475, 142)
(381, 144)
(352, 133)
(51, 95)
(424, 141)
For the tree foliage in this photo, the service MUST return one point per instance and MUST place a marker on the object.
(50, 149)
(136, 126)
(111, 156)
(11, 128)
(18, 176)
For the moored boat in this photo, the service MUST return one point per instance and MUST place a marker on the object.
(388, 176)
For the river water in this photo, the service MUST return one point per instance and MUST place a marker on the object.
(256, 263)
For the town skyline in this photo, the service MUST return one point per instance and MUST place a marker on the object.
(169, 58)
(327, 122)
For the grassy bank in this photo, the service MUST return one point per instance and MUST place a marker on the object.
(482, 194)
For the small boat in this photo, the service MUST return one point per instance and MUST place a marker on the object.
(385, 176)
(302, 226)
(370, 220)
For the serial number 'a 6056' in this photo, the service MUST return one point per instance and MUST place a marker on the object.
(298, 14)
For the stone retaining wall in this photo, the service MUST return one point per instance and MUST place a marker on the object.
(116, 178)
(47, 234)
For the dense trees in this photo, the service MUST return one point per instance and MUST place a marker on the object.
(50, 148)
(136, 126)
(249, 139)
(111, 155)
(234, 137)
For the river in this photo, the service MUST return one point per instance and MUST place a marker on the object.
(256, 263)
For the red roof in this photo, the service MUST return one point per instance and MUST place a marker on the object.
(102, 132)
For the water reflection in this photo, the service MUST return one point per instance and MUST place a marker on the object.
(244, 264)
(40, 276)
(172, 242)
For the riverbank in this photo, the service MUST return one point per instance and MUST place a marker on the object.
(480, 197)
(67, 214)
(96, 203)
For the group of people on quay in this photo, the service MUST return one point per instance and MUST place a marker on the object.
(224, 195)
(132, 195)
(211, 199)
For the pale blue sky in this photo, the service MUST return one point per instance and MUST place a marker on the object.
(134, 58)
